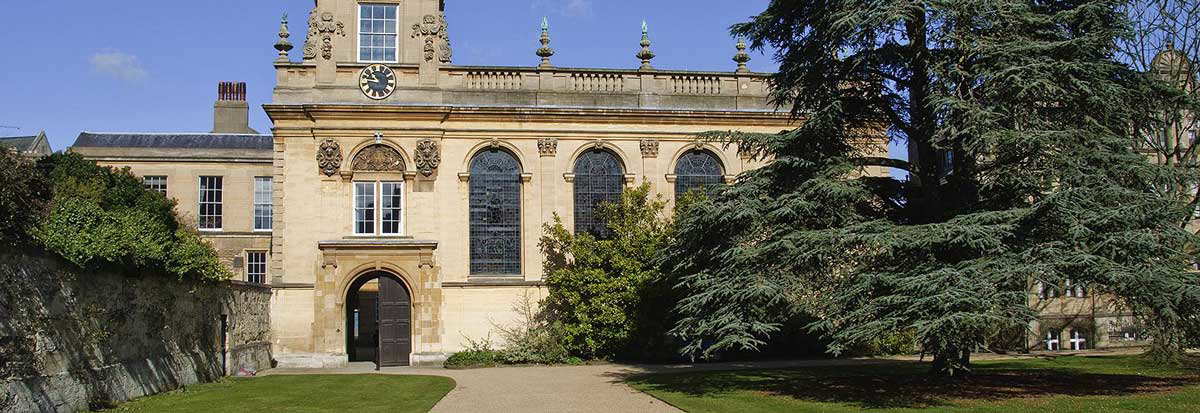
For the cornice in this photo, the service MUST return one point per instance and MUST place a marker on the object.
(335, 111)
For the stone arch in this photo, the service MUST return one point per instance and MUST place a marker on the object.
(494, 144)
(361, 271)
(622, 157)
(379, 154)
(379, 321)
(702, 146)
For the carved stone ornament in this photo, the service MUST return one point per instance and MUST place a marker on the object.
(548, 147)
(428, 156)
(379, 158)
(436, 32)
(321, 28)
(329, 157)
(649, 148)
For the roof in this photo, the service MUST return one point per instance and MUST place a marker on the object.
(36, 145)
(19, 142)
(174, 140)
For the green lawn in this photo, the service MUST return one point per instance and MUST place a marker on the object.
(323, 393)
(1063, 384)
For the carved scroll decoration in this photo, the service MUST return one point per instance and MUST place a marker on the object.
(329, 157)
(321, 28)
(428, 156)
(435, 31)
(379, 158)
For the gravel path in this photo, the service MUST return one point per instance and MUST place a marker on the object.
(593, 388)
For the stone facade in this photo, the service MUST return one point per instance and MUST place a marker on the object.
(435, 119)
(71, 340)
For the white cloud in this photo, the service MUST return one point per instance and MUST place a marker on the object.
(577, 8)
(569, 8)
(119, 65)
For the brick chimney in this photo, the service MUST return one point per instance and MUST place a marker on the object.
(231, 114)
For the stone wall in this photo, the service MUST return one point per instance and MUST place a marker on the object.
(72, 340)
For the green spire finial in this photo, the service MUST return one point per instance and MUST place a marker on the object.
(545, 51)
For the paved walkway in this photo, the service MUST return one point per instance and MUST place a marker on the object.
(594, 388)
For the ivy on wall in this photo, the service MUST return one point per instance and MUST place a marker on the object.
(100, 218)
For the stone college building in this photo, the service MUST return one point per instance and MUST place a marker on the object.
(396, 206)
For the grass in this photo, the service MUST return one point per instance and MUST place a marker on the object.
(1062, 384)
(315, 393)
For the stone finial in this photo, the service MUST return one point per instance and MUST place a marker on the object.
(545, 51)
(645, 54)
(741, 57)
(283, 45)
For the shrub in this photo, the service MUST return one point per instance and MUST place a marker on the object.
(24, 195)
(532, 339)
(479, 354)
(101, 217)
(608, 294)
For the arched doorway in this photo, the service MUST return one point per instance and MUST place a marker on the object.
(379, 320)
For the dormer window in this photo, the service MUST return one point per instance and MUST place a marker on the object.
(377, 38)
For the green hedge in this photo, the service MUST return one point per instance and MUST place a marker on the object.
(99, 217)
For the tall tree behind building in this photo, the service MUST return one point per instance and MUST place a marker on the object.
(1165, 45)
(1017, 120)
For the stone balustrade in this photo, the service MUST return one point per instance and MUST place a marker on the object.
(533, 86)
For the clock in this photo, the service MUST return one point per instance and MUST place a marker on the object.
(377, 81)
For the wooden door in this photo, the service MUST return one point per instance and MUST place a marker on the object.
(395, 328)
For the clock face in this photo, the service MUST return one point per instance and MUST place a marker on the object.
(377, 81)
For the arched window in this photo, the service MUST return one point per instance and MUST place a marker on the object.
(599, 177)
(697, 169)
(495, 213)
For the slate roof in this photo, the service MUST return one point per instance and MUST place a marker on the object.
(21, 143)
(174, 140)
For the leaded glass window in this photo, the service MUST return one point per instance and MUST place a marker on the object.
(599, 178)
(210, 203)
(377, 33)
(495, 213)
(697, 169)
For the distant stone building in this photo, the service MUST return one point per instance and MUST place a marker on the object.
(35, 146)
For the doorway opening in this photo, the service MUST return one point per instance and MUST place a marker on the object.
(379, 320)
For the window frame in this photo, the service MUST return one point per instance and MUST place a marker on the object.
(582, 179)
(220, 203)
(377, 207)
(359, 32)
(681, 180)
(263, 264)
(476, 267)
(153, 187)
(269, 204)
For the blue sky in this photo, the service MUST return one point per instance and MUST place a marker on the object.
(153, 66)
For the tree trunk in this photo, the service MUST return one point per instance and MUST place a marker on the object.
(1166, 344)
(951, 361)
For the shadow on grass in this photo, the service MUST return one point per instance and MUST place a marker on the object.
(906, 385)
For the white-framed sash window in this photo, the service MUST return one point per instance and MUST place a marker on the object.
(378, 208)
(256, 267)
(211, 203)
(263, 205)
(155, 183)
(377, 38)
